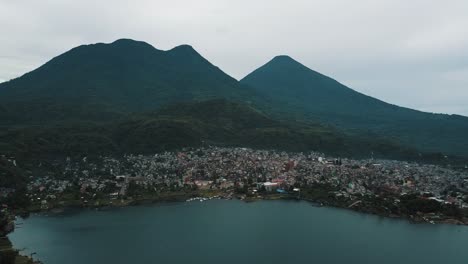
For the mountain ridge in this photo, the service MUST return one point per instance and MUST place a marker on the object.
(104, 82)
(297, 89)
(122, 76)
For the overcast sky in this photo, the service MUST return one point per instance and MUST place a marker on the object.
(411, 53)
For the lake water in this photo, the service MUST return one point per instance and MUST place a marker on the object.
(221, 231)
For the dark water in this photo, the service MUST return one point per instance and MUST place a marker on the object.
(237, 232)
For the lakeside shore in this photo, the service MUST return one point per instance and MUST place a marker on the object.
(360, 206)
(8, 253)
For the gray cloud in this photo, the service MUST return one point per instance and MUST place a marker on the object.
(410, 53)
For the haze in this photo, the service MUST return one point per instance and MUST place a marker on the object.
(413, 54)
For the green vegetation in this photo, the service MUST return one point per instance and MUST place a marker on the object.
(292, 89)
(103, 81)
(107, 82)
(215, 122)
(10, 175)
(318, 193)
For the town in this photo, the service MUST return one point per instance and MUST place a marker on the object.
(421, 192)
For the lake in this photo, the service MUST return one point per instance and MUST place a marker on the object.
(221, 231)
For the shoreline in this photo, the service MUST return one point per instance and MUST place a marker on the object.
(194, 196)
(418, 218)
(8, 253)
(413, 219)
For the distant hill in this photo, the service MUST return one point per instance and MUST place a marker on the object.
(297, 90)
(214, 122)
(104, 81)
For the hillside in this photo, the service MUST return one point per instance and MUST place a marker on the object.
(297, 90)
(214, 122)
(104, 81)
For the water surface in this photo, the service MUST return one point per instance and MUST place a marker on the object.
(236, 232)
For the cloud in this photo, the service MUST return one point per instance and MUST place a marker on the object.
(405, 52)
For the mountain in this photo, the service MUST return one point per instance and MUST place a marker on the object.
(97, 83)
(103, 81)
(295, 89)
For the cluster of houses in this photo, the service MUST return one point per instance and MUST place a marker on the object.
(253, 170)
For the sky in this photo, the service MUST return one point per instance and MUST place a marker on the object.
(410, 53)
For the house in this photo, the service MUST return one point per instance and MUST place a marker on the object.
(270, 186)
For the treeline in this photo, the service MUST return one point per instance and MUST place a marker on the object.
(214, 122)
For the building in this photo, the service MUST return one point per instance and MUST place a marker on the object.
(270, 186)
